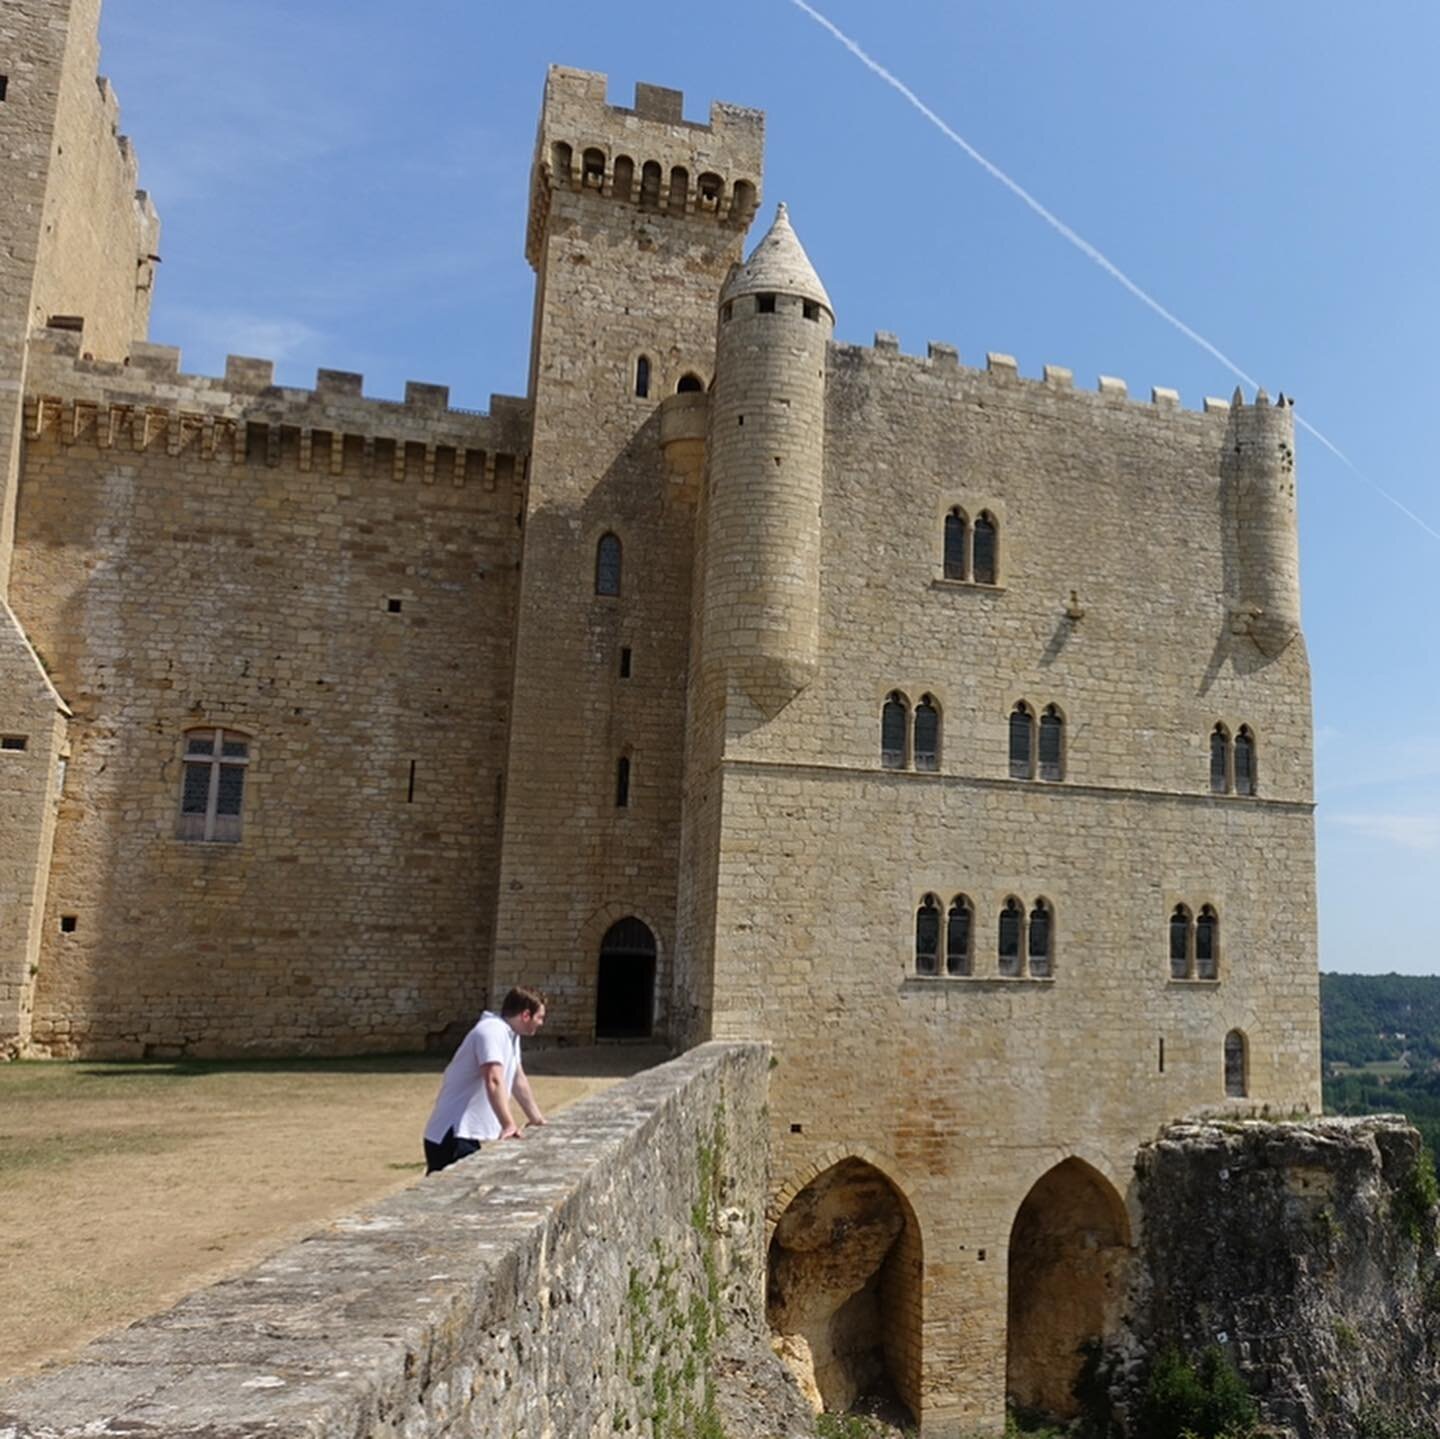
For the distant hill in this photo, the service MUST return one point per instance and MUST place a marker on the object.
(1380, 1040)
(1371, 1018)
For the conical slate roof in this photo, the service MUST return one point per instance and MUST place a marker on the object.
(777, 265)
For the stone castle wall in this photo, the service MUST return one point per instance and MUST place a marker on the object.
(331, 578)
(581, 1282)
(824, 856)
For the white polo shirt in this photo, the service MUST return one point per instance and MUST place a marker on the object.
(462, 1104)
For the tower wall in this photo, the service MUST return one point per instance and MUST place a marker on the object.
(766, 454)
(637, 215)
(76, 239)
(1261, 471)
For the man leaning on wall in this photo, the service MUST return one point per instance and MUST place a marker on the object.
(480, 1081)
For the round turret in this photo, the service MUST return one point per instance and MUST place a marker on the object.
(766, 452)
(1262, 462)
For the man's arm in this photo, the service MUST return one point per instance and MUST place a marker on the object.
(493, 1077)
(526, 1096)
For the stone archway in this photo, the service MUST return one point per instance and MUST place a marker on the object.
(843, 1290)
(1068, 1249)
(625, 983)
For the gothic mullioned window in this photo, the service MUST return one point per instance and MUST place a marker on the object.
(212, 787)
(1011, 937)
(971, 552)
(607, 565)
(1194, 943)
(985, 547)
(1041, 939)
(1037, 749)
(927, 936)
(1051, 746)
(1232, 762)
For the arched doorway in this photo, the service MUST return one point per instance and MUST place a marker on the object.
(625, 988)
(843, 1290)
(1068, 1248)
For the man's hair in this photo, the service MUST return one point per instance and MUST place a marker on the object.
(521, 1001)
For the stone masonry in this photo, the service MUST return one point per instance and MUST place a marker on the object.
(947, 729)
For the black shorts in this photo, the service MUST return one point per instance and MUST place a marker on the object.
(449, 1149)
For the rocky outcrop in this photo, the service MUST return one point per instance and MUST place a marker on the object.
(1307, 1253)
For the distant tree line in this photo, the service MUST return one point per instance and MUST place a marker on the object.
(1383, 1018)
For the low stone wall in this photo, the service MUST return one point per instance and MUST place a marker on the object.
(589, 1280)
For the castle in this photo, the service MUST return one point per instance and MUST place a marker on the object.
(946, 728)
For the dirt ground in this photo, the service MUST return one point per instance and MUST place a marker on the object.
(125, 1186)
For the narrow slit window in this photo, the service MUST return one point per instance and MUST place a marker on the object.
(1022, 735)
(927, 936)
(1181, 930)
(1012, 923)
(927, 734)
(4, 85)
(622, 783)
(1237, 1077)
(957, 533)
(893, 721)
(1052, 744)
(642, 378)
(1207, 944)
(986, 564)
(607, 565)
(1244, 761)
(958, 929)
(1219, 760)
(1041, 940)
(410, 788)
(625, 663)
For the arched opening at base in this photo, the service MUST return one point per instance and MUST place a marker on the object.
(625, 987)
(844, 1292)
(1068, 1249)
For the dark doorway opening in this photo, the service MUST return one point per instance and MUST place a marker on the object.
(625, 991)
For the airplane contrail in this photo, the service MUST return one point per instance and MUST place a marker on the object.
(1088, 250)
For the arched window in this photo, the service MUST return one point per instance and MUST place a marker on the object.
(742, 203)
(1207, 944)
(1012, 923)
(985, 563)
(927, 734)
(1237, 1065)
(1219, 760)
(1052, 747)
(650, 185)
(561, 156)
(709, 187)
(959, 927)
(592, 169)
(624, 182)
(927, 936)
(957, 534)
(642, 378)
(894, 720)
(622, 783)
(1022, 739)
(212, 786)
(1042, 940)
(1181, 929)
(1244, 761)
(607, 565)
(679, 188)
(690, 383)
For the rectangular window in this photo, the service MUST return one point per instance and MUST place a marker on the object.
(212, 786)
(13, 742)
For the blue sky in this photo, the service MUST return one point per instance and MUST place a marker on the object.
(344, 185)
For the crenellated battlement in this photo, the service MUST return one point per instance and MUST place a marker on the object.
(147, 402)
(647, 155)
(1004, 370)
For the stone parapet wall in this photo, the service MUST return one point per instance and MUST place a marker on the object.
(573, 1284)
